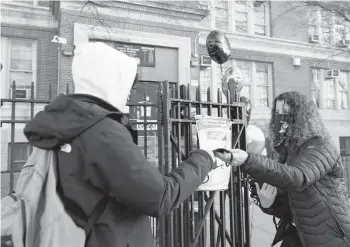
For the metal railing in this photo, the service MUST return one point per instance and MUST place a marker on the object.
(219, 218)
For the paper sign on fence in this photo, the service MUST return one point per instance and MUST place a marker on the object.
(213, 133)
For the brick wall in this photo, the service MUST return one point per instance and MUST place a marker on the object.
(46, 55)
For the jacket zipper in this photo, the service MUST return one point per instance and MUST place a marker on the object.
(335, 220)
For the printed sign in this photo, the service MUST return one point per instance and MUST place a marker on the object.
(213, 133)
(145, 54)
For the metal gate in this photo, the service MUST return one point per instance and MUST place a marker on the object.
(205, 218)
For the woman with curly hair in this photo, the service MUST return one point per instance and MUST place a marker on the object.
(309, 171)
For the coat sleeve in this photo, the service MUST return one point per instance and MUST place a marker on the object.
(123, 172)
(311, 164)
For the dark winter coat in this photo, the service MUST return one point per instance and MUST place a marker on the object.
(103, 160)
(314, 181)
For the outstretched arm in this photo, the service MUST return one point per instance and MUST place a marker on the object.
(129, 178)
(313, 162)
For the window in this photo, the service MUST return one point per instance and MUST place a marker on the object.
(326, 24)
(250, 17)
(260, 11)
(257, 80)
(241, 16)
(221, 17)
(21, 154)
(205, 82)
(343, 82)
(330, 27)
(19, 66)
(315, 87)
(344, 145)
(24, 2)
(330, 93)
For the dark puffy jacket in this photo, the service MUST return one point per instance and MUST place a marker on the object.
(104, 160)
(314, 181)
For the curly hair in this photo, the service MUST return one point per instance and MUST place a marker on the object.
(307, 122)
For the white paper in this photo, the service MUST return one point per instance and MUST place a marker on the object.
(213, 133)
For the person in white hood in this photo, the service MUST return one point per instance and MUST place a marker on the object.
(103, 165)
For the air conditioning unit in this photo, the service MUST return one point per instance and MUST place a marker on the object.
(332, 73)
(344, 43)
(314, 39)
(21, 93)
(205, 61)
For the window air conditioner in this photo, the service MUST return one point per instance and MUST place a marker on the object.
(21, 93)
(314, 39)
(343, 43)
(332, 73)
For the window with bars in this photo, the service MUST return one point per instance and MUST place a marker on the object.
(21, 153)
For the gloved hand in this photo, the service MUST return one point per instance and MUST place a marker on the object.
(267, 194)
(234, 157)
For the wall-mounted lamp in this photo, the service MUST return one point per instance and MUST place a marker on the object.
(296, 62)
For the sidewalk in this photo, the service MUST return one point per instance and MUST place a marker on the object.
(262, 227)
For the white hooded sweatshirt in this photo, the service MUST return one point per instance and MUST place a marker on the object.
(103, 72)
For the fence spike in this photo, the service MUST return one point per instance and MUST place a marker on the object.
(50, 90)
(32, 91)
(13, 89)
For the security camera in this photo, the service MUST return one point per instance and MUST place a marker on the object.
(59, 40)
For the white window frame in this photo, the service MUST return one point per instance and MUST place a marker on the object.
(332, 30)
(250, 22)
(5, 73)
(252, 78)
(322, 90)
(20, 3)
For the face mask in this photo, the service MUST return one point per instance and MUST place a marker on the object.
(281, 125)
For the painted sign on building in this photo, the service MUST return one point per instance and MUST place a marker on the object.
(145, 54)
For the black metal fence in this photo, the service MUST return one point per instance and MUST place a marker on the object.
(219, 218)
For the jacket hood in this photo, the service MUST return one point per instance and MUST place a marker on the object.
(65, 118)
(103, 72)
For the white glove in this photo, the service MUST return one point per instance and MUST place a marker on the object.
(267, 194)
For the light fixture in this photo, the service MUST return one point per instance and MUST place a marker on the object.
(296, 62)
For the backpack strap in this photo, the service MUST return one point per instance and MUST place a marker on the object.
(95, 215)
(72, 207)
